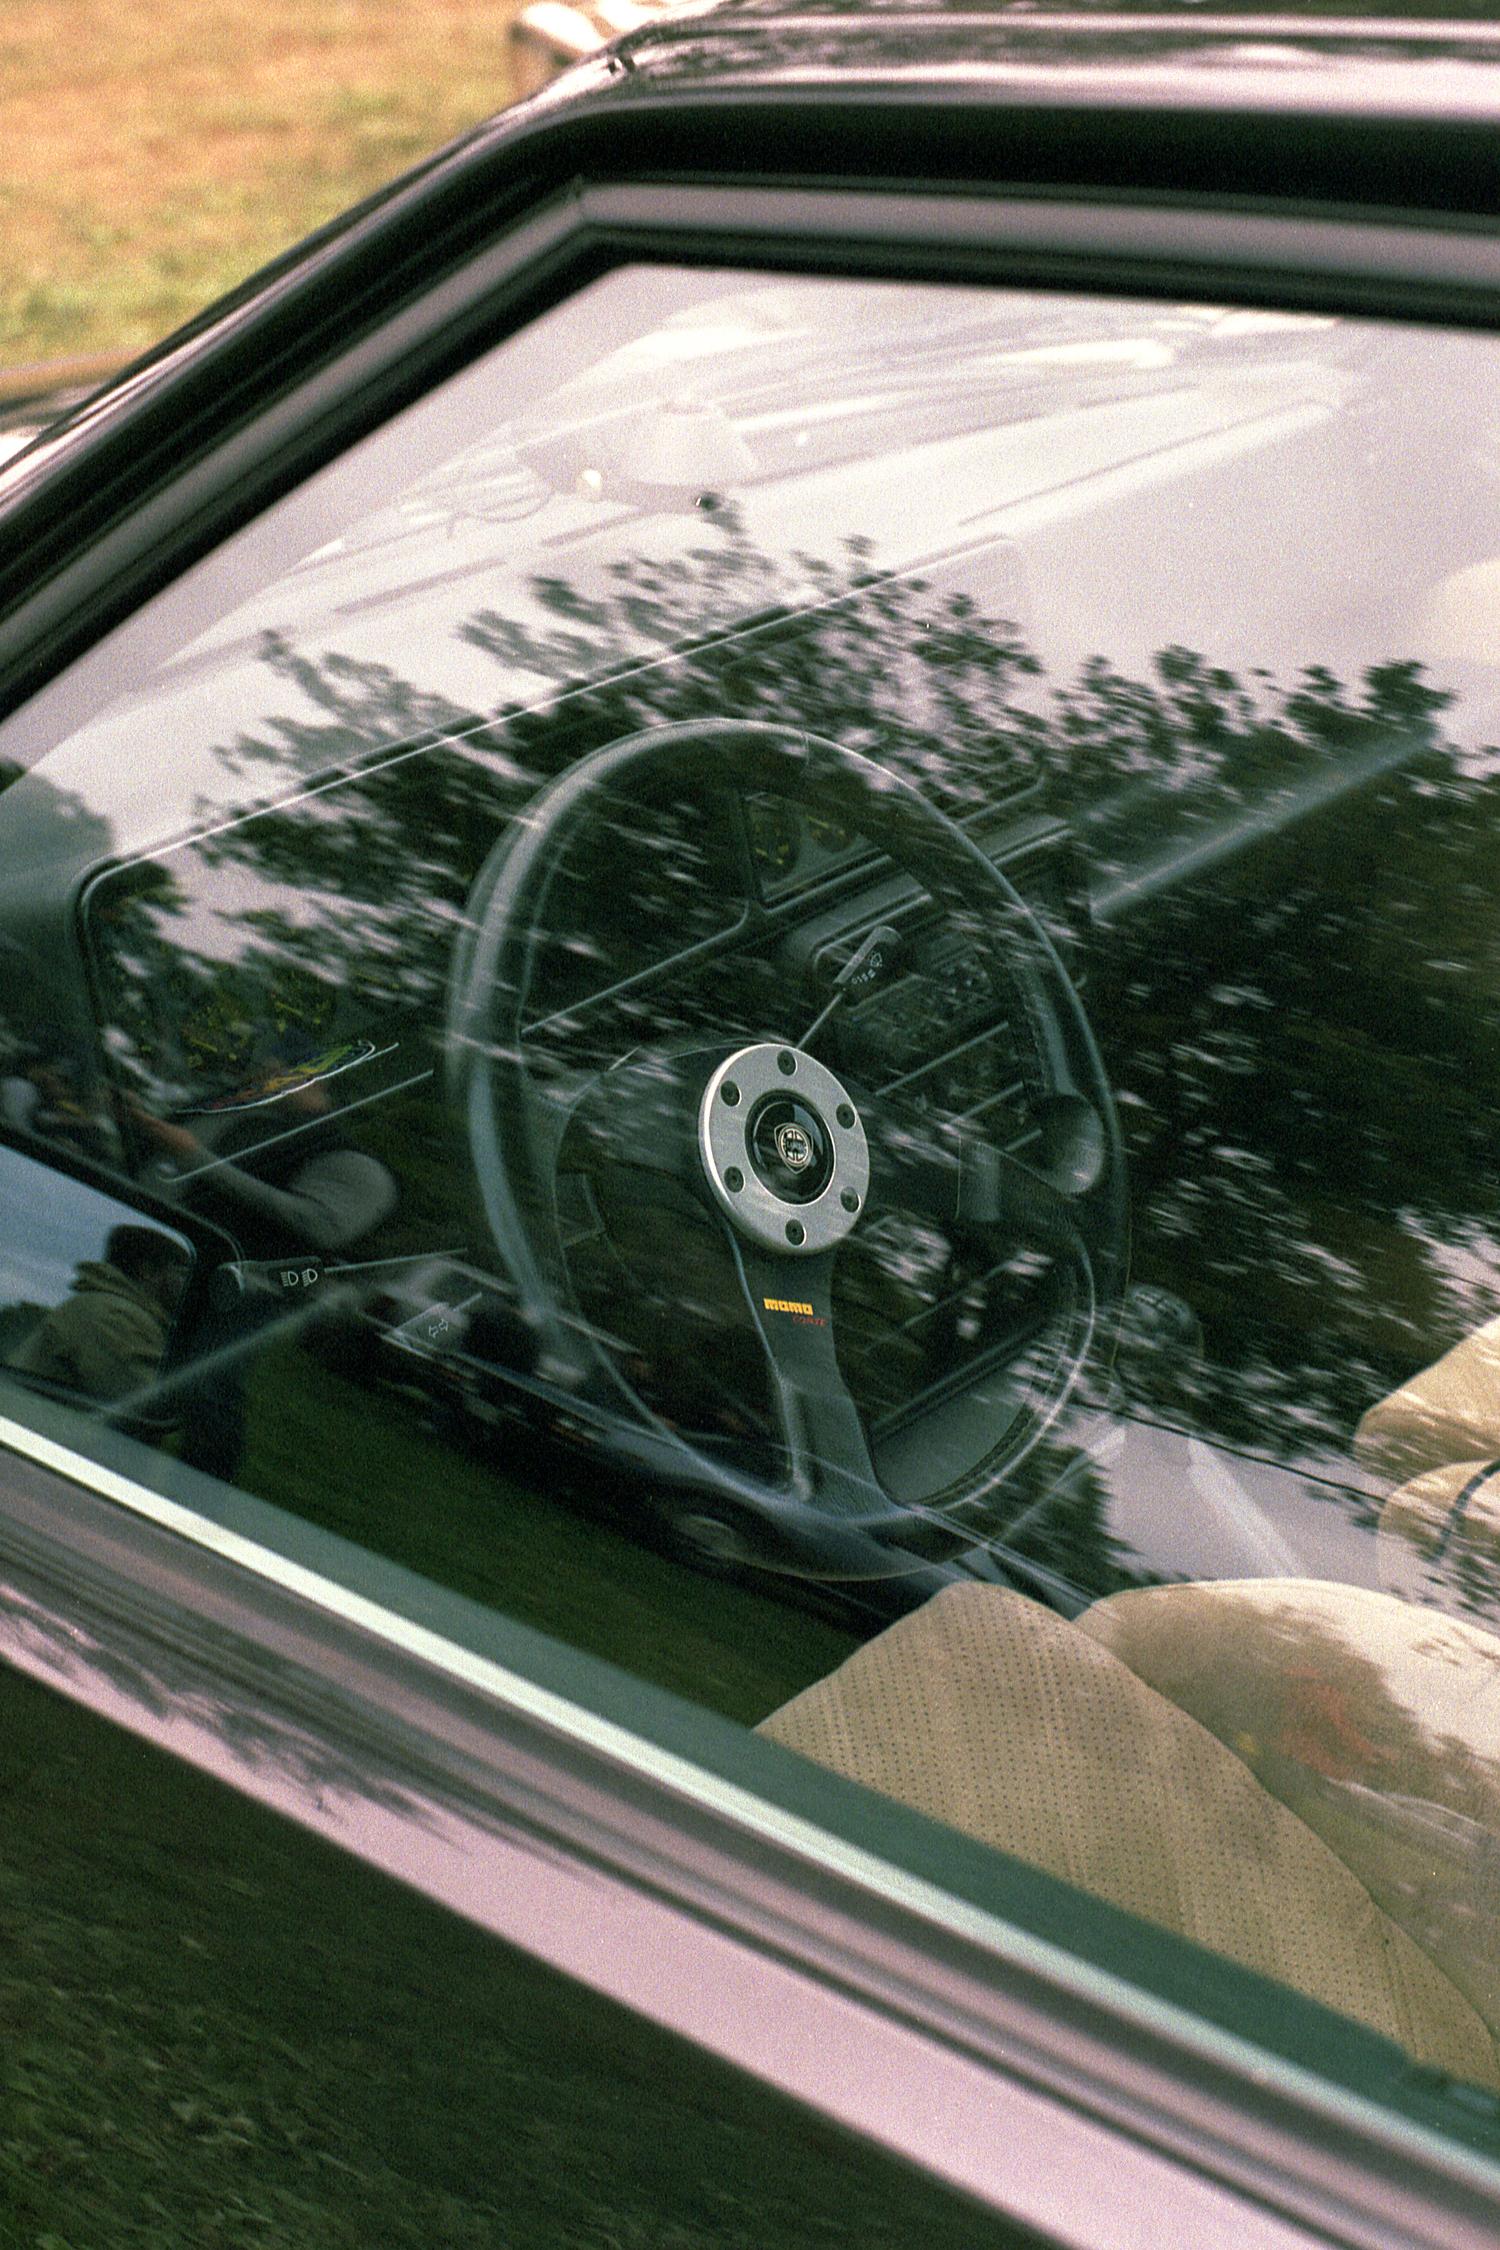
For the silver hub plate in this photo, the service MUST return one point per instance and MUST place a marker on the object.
(736, 1095)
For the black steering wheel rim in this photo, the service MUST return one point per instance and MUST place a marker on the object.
(515, 1150)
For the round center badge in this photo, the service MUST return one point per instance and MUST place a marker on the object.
(793, 1147)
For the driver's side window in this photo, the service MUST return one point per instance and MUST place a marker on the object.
(815, 988)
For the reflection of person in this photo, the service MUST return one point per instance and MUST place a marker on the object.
(303, 1188)
(299, 1187)
(108, 1338)
(39, 1099)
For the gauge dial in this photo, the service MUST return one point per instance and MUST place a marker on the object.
(775, 836)
(831, 838)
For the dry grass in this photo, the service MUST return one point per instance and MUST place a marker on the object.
(152, 152)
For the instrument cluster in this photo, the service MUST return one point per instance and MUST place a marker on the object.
(790, 849)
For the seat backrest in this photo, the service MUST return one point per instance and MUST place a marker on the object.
(1448, 1412)
(1439, 1541)
(989, 1712)
(1377, 1722)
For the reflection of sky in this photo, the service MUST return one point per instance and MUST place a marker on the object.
(51, 1224)
(1207, 1513)
(1268, 500)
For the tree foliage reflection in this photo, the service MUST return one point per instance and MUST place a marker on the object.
(1282, 905)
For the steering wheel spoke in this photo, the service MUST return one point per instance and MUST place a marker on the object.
(790, 1303)
(638, 1116)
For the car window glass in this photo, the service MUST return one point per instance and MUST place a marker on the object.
(817, 959)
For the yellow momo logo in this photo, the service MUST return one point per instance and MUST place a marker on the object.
(787, 1304)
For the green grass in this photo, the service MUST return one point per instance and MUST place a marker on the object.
(218, 2034)
(361, 1464)
(151, 157)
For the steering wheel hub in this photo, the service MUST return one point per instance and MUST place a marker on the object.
(790, 1149)
(783, 1149)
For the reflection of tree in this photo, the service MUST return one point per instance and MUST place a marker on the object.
(17, 1320)
(1309, 1031)
(1474, 1575)
(1294, 973)
(1348, 1739)
(168, 1686)
(49, 1067)
(1057, 1520)
(922, 680)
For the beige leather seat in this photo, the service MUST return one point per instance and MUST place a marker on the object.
(988, 1712)
(1449, 1412)
(1440, 1434)
(1375, 1722)
(1439, 1541)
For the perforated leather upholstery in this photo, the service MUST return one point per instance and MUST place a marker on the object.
(1375, 1721)
(990, 1713)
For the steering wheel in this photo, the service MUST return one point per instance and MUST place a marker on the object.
(789, 1156)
